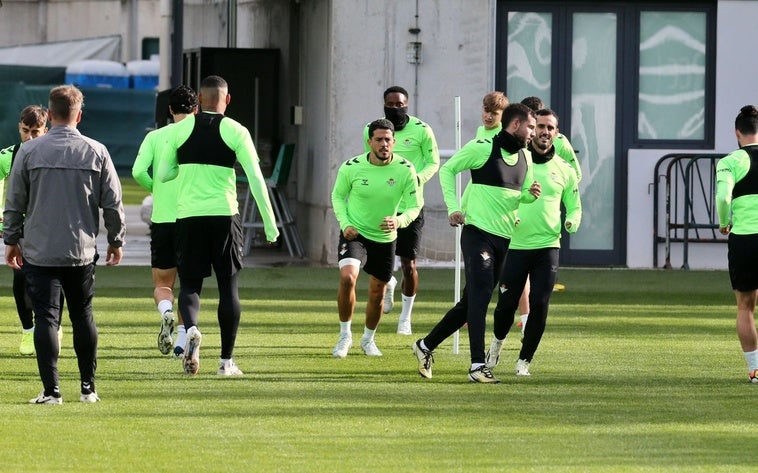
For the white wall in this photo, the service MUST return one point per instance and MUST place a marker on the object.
(735, 87)
(366, 52)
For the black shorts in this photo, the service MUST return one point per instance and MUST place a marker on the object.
(409, 238)
(743, 262)
(163, 245)
(209, 242)
(378, 259)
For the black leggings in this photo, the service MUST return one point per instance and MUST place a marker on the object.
(228, 312)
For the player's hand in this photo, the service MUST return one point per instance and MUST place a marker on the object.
(113, 255)
(13, 256)
(456, 218)
(350, 233)
(535, 189)
(725, 230)
(389, 224)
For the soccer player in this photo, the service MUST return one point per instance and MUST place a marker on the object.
(58, 185)
(182, 102)
(736, 204)
(367, 193)
(202, 150)
(565, 151)
(501, 179)
(535, 244)
(493, 105)
(33, 124)
(414, 141)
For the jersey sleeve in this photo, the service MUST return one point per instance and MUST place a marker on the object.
(724, 186)
(431, 156)
(339, 197)
(571, 201)
(168, 169)
(143, 162)
(248, 159)
(410, 200)
(526, 196)
(471, 156)
(565, 150)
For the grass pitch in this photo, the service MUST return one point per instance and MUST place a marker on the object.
(637, 371)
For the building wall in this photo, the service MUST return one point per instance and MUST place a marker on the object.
(346, 71)
(735, 87)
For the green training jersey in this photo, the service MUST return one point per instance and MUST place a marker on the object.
(6, 160)
(539, 223)
(208, 187)
(565, 151)
(164, 193)
(416, 143)
(491, 208)
(364, 194)
(483, 133)
(737, 200)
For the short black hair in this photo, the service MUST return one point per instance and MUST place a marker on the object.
(214, 82)
(747, 120)
(393, 89)
(183, 99)
(545, 112)
(380, 124)
(516, 111)
(535, 103)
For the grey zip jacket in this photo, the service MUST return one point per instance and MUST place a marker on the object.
(57, 186)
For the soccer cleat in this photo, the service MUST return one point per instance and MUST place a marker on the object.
(27, 343)
(482, 375)
(343, 345)
(753, 376)
(89, 398)
(165, 336)
(178, 352)
(493, 355)
(522, 368)
(425, 360)
(228, 368)
(369, 347)
(389, 295)
(42, 399)
(404, 327)
(192, 351)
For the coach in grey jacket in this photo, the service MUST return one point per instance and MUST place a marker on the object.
(57, 187)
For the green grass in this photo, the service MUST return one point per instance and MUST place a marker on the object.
(638, 371)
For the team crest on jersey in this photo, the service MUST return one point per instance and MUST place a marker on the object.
(391, 181)
(553, 176)
(364, 182)
(407, 142)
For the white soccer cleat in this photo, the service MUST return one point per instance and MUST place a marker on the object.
(192, 351)
(165, 336)
(522, 368)
(425, 360)
(369, 347)
(89, 398)
(343, 345)
(493, 355)
(42, 399)
(389, 295)
(404, 327)
(482, 375)
(228, 368)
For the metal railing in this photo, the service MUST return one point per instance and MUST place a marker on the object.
(690, 210)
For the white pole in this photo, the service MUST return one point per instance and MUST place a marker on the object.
(457, 295)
